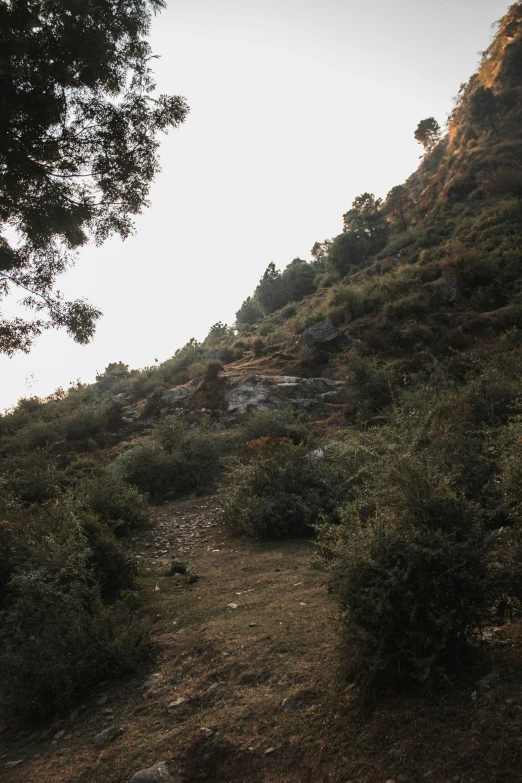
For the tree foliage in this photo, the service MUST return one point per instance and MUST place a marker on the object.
(398, 206)
(483, 108)
(78, 145)
(296, 281)
(366, 218)
(428, 133)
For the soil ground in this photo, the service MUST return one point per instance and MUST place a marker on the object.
(258, 627)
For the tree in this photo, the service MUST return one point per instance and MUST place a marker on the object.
(271, 291)
(78, 145)
(366, 219)
(483, 108)
(249, 312)
(428, 133)
(347, 251)
(398, 206)
(217, 332)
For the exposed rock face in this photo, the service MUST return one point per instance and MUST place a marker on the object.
(178, 397)
(323, 334)
(242, 393)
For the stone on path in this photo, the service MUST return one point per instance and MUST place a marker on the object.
(157, 774)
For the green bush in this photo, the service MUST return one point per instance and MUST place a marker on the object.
(411, 598)
(57, 639)
(285, 424)
(114, 501)
(369, 385)
(190, 465)
(212, 370)
(32, 477)
(409, 569)
(284, 494)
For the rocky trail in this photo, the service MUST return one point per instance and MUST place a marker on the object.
(246, 684)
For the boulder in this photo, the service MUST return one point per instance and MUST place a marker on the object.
(178, 397)
(157, 774)
(321, 335)
(446, 288)
(241, 394)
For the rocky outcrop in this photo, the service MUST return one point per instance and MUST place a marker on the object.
(445, 288)
(243, 393)
(321, 335)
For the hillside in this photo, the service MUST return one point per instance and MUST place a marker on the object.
(294, 551)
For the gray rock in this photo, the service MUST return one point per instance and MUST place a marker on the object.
(178, 396)
(288, 704)
(176, 703)
(241, 394)
(157, 774)
(488, 680)
(206, 732)
(271, 349)
(12, 764)
(447, 288)
(107, 735)
(323, 334)
(498, 536)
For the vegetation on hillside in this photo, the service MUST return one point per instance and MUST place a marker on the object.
(412, 497)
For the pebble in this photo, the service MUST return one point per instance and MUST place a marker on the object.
(12, 764)
(213, 687)
(232, 606)
(269, 751)
(206, 732)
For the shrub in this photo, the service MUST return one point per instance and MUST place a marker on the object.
(113, 568)
(57, 638)
(282, 495)
(288, 312)
(56, 635)
(258, 346)
(115, 502)
(410, 572)
(32, 477)
(412, 599)
(190, 466)
(212, 370)
(285, 424)
(369, 385)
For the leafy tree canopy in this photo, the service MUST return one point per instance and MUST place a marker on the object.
(428, 133)
(398, 207)
(366, 218)
(78, 145)
(483, 108)
(249, 312)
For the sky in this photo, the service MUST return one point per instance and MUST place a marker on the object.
(296, 107)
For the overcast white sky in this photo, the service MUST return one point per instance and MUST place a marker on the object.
(297, 107)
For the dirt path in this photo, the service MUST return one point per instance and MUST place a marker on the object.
(230, 648)
(255, 629)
